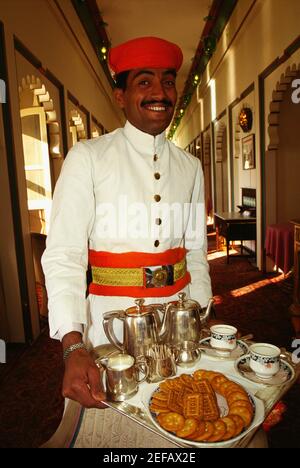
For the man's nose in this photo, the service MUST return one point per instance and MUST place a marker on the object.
(158, 90)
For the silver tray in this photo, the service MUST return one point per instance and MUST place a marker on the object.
(129, 410)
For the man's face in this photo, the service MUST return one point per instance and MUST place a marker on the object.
(149, 99)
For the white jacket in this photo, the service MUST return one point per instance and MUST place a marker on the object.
(112, 178)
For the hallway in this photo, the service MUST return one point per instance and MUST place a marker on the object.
(236, 119)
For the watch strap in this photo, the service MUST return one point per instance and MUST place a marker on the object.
(72, 348)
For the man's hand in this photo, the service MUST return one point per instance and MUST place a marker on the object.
(83, 379)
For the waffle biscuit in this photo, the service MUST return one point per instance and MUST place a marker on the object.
(160, 403)
(161, 396)
(210, 408)
(158, 409)
(203, 386)
(193, 406)
(173, 401)
(165, 386)
(187, 380)
(182, 394)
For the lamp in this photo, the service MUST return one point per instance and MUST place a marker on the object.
(246, 119)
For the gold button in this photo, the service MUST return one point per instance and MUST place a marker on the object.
(156, 243)
(157, 175)
(157, 198)
(155, 157)
(158, 221)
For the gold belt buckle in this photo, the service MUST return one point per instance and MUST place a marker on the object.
(157, 277)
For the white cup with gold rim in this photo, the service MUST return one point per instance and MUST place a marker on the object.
(223, 338)
(264, 360)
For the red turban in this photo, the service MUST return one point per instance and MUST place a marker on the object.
(144, 52)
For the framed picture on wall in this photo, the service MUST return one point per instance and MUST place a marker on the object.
(248, 152)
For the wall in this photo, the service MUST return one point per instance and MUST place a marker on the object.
(51, 31)
(257, 33)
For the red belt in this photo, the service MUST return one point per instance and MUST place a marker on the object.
(138, 274)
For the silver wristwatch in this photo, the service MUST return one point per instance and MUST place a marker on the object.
(72, 348)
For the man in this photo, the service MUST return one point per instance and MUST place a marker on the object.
(128, 200)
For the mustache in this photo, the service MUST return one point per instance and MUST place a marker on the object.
(164, 102)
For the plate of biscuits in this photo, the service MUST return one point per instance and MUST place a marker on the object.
(203, 409)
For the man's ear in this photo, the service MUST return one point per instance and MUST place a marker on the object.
(119, 97)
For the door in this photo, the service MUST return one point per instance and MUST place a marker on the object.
(37, 168)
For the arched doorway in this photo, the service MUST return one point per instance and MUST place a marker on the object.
(76, 126)
(41, 143)
(42, 164)
(282, 162)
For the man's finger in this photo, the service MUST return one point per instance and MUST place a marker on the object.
(82, 394)
(96, 384)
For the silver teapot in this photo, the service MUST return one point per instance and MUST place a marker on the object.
(141, 327)
(183, 320)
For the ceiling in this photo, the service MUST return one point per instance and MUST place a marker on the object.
(195, 25)
(178, 21)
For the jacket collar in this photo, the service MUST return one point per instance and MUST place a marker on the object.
(143, 142)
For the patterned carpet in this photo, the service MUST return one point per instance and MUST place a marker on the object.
(30, 402)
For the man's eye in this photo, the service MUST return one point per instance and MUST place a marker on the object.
(144, 82)
(170, 83)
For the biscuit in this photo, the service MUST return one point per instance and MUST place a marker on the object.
(243, 403)
(231, 428)
(171, 421)
(205, 434)
(187, 406)
(217, 381)
(237, 396)
(219, 431)
(210, 408)
(244, 413)
(190, 426)
(238, 422)
(172, 402)
(193, 406)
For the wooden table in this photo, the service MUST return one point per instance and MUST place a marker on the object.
(235, 226)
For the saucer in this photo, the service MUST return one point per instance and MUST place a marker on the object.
(284, 375)
(240, 350)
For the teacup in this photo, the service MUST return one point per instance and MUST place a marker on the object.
(223, 338)
(122, 376)
(264, 360)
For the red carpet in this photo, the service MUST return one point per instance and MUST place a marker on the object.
(30, 400)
